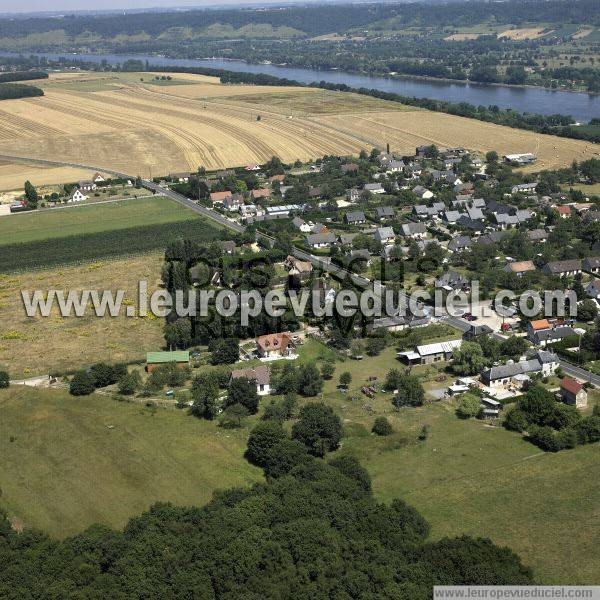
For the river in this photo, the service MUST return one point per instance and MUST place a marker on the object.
(580, 105)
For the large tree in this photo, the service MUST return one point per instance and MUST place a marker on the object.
(318, 428)
(243, 391)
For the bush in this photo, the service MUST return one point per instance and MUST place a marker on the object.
(233, 417)
(82, 384)
(285, 456)
(382, 427)
(516, 420)
(318, 428)
(243, 391)
(103, 374)
(262, 439)
(349, 466)
(310, 382)
(469, 406)
(4, 379)
(129, 383)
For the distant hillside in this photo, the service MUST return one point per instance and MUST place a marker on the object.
(306, 21)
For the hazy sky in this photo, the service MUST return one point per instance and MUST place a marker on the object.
(72, 5)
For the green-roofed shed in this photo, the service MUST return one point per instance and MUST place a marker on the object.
(154, 359)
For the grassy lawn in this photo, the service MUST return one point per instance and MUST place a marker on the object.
(35, 226)
(63, 468)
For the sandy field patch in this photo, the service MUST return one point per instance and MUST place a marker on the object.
(526, 33)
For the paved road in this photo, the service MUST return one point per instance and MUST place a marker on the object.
(579, 373)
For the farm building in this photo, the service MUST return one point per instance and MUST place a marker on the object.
(572, 392)
(431, 353)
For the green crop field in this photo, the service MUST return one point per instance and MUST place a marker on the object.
(92, 218)
(32, 241)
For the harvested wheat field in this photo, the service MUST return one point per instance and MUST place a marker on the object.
(416, 128)
(133, 123)
(77, 342)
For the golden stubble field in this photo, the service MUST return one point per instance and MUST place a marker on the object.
(35, 346)
(135, 124)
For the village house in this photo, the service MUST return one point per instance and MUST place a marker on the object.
(591, 265)
(422, 192)
(355, 218)
(542, 332)
(593, 289)
(276, 178)
(459, 243)
(298, 269)
(87, 186)
(374, 188)
(320, 240)
(385, 235)
(384, 212)
(394, 166)
(476, 331)
(537, 235)
(233, 202)
(181, 358)
(414, 230)
(519, 267)
(220, 197)
(452, 216)
(77, 196)
(261, 375)
(510, 375)
(98, 178)
(260, 194)
(180, 177)
(524, 188)
(563, 210)
(275, 345)
(562, 268)
(572, 392)
(353, 195)
(302, 225)
(451, 280)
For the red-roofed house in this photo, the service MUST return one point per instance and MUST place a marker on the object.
(275, 345)
(220, 196)
(261, 193)
(564, 211)
(572, 392)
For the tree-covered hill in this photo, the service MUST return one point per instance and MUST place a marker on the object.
(314, 20)
(315, 532)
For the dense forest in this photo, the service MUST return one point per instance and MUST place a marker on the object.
(312, 530)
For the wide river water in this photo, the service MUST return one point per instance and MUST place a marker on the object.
(581, 106)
